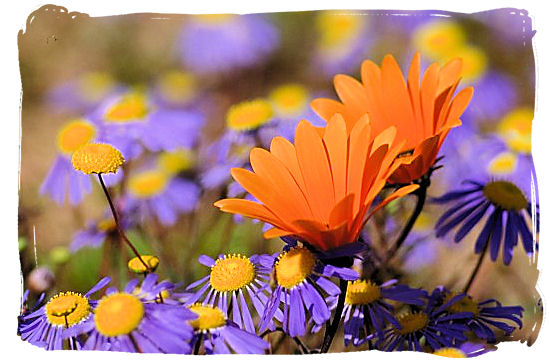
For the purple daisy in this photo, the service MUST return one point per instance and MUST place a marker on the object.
(302, 285)
(223, 42)
(52, 323)
(233, 280)
(486, 315)
(507, 211)
(433, 322)
(131, 121)
(156, 194)
(218, 335)
(135, 320)
(83, 93)
(367, 308)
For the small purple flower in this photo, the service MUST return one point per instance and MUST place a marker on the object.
(486, 315)
(507, 211)
(302, 286)
(156, 194)
(131, 121)
(135, 320)
(367, 308)
(223, 42)
(52, 323)
(218, 335)
(83, 93)
(233, 280)
(432, 322)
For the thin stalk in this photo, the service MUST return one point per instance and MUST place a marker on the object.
(477, 267)
(197, 347)
(117, 223)
(301, 346)
(333, 327)
(420, 201)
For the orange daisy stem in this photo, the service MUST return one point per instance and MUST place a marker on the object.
(117, 223)
(333, 327)
(420, 201)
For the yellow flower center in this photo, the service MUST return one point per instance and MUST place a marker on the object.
(67, 309)
(136, 266)
(177, 161)
(362, 292)
(249, 115)
(515, 128)
(232, 273)
(450, 352)
(290, 99)
(214, 19)
(147, 184)
(94, 86)
(118, 314)
(74, 135)
(439, 38)
(294, 266)
(336, 29)
(474, 61)
(505, 195)
(412, 322)
(209, 317)
(177, 86)
(130, 107)
(466, 304)
(97, 158)
(106, 225)
(504, 163)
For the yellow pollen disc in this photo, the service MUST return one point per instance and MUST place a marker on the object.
(67, 308)
(289, 99)
(249, 115)
(147, 184)
(118, 314)
(474, 61)
(130, 107)
(506, 195)
(337, 29)
(294, 266)
(209, 317)
(74, 135)
(177, 86)
(362, 292)
(515, 127)
(450, 352)
(466, 304)
(106, 225)
(439, 39)
(94, 86)
(136, 266)
(177, 161)
(232, 273)
(412, 322)
(214, 18)
(97, 158)
(504, 163)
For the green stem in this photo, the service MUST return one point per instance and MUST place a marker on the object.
(333, 327)
(420, 202)
(117, 223)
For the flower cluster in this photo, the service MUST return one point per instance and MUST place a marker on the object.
(333, 179)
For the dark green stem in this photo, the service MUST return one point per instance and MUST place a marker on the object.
(117, 223)
(420, 202)
(333, 327)
(476, 268)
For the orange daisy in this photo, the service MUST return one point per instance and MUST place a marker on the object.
(423, 113)
(321, 188)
